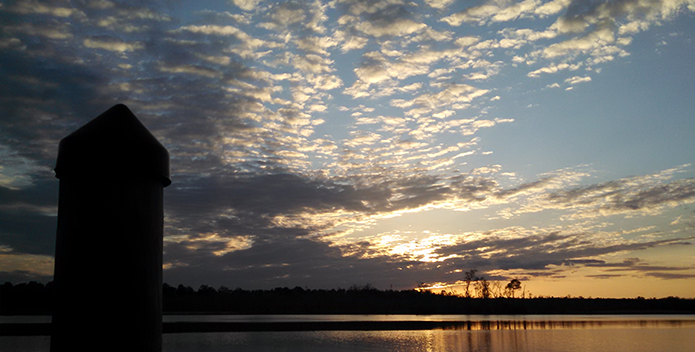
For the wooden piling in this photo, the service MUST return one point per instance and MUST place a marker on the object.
(108, 262)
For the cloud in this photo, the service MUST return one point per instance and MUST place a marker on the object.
(519, 248)
(399, 27)
(20, 276)
(591, 42)
(595, 24)
(604, 276)
(553, 69)
(247, 42)
(359, 7)
(111, 44)
(18, 172)
(311, 63)
(352, 42)
(505, 11)
(515, 11)
(648, 194)
(316, 44)
(495, 249)
(589, 31)
(296, 16)
(314, 264)
(413, 193)
(122, 18)
(246, 5)
(457, 94)
(467, 41)
(633, 27)
(581, 15)
(378, 19)
(380, 70)
(236, 207)
(439, 4)
(472, 14)
(576, 79)
(552, 7)
(50, 30)
(671, 276)
(31, 98)
(191, 69)
(27, 218)
(528, 34)
(29, 7)
(430, 34)
(285, 14)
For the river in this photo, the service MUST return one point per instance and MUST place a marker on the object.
(499, 333)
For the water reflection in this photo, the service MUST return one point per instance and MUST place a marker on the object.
(453, 321)
(566, 340)
(463, 333)
(499, 333)
(551, 325)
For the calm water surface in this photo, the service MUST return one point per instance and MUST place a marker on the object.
(499, 333)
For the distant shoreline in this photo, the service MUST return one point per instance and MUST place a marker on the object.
(608, 312)
(38, 299)
(44, 329)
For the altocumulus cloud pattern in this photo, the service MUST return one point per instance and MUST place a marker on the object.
(398, 143)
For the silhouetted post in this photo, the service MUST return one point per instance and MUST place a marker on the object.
(108, 263)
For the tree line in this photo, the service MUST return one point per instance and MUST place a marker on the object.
(477, 286)
(36, 298)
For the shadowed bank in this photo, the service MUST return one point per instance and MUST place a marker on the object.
(112, 173)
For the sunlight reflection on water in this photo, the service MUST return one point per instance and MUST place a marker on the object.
(613, 340)
(499, 333)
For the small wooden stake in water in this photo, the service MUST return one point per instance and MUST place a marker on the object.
(108, 263)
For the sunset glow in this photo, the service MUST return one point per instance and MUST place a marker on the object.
(325, 144)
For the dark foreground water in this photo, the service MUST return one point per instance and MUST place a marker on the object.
(499, 333)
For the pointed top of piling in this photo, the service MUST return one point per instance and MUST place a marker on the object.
(116, 123)
(112, 145)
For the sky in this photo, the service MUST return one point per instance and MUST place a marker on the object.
(325, 144)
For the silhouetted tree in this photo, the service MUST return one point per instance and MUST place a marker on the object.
(168, 290)
(468, 277)
(482, 287)
(35, 298)
(26, 298)
(205, 290)
(512, 287)
(367, 287)
(496, 290)
(184, 290)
